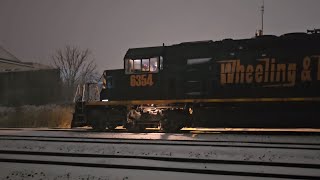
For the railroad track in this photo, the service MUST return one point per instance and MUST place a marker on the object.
(229, 144)
(61, 159)
(247, 157)
(167, 159)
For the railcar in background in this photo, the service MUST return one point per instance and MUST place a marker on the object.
(266, 81)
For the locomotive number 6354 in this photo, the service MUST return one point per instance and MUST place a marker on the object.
(141, 80)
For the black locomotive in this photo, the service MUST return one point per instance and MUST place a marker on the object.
(266, 81)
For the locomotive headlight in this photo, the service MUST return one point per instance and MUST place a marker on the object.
(105, 100)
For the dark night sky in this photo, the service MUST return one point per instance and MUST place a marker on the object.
(34, 29)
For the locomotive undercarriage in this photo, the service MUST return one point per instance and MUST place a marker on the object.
(173, 117)
(168, 118)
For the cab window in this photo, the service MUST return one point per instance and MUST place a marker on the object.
(137, 65)
(150, 65)
(145, 65)
(154, 64)
(129, 65)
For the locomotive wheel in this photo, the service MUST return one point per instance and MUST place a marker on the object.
(111, 126)
(99, 125)
(98, 122)
(109, 123)
(173, 121)
(133, 127)
(169, 126)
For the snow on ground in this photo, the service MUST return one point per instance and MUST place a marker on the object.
(182, 165)
(197, 152)
(30, 172)
(240, 151)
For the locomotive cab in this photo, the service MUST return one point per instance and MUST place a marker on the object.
(138, 80)
(144, 60)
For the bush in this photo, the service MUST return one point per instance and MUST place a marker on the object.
(52, 116)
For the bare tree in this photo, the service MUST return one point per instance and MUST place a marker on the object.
(76, 65)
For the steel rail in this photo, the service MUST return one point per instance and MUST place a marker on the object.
(143, 142)
(168, 159)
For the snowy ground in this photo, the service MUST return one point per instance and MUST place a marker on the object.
(82, 154)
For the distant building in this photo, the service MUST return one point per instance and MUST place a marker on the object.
(8, 63)
(23, 83)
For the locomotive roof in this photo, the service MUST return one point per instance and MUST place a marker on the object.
(149, 52)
